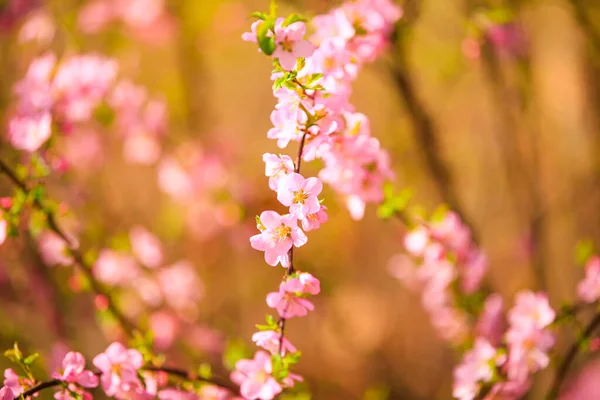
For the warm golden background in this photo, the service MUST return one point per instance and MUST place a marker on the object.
(510, 138)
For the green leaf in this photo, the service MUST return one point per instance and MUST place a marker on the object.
(265, 42)
(235, 350)
(31, 358)
(385, 211)
(293, 18)
(583, 251)
(205, 371)
(440, 213)
(259, 15)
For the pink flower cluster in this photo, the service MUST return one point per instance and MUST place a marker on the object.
(176, 285)
(442, 253)
(62, 94)
(97, 14)
(315, 108)
(504, 367)
(290, 300)
(140, 120)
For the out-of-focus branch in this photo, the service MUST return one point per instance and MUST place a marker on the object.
(586, 25)
(127, 326)
(570, 356)
(423, 124)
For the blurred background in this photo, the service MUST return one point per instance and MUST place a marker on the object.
(488, 106)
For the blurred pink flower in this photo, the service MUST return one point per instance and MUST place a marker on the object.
(181, 286)
(29, 132)
(12, 381)
(38, 27)
(165, 328)
(255, 379)
(119, 367)
(277, 168)
(588, 289)
(146, 247)
(115, 268)
(6, 394)
(96, 15)
(53, 249)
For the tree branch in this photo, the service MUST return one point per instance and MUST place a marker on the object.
(127, 326)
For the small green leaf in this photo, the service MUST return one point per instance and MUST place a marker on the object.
(31, 358)
(265, 42)
(293, 18)
(205, 371)
(259, 15)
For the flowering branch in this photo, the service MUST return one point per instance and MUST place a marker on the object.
(127, 326)
(180, 373)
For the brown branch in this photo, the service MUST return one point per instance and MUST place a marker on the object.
(290, 269)
(127, 326)
(183, 374)
(570, 357)
(424, 129)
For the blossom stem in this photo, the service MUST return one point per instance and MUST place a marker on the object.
(571, 355)
(127, 326)
(290, 269)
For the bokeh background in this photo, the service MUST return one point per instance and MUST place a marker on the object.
(488, 106)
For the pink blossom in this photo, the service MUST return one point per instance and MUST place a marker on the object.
(174, 180)
(277, 168)
(181, 286)
(290, 44)
(278, 234)
(119, 367)
(39, 27)
(310, 284)
(74, 371)
(140, 13)
(6, 394)
(164, 328)
(416, 241)
(531, 310)
(115, 268)
(287, 301)
(146, 247)
(29, 132)
(142, 149)
(95, 15)
(175, 394)
(314, 220)
(300, 194)
(588, 289)
(251, 36)
(269, 340)
(80, 83)
(491, 323)
(255, 379)
(477, 367)
(53, 249)
(12, 382)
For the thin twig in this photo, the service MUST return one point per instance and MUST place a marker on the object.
(128, 326)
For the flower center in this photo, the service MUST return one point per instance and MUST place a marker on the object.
(300, 196)
(282, 232)
(287, 45)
